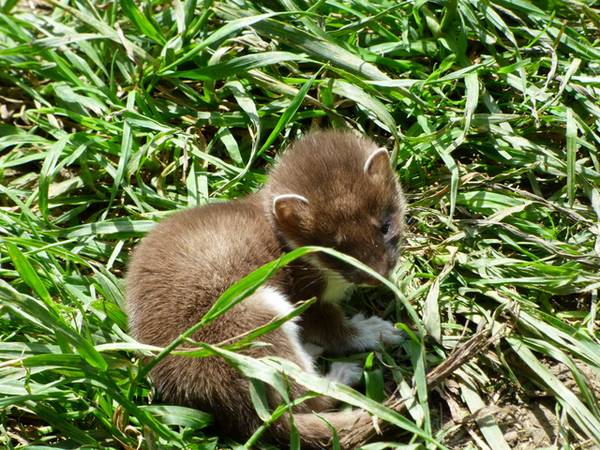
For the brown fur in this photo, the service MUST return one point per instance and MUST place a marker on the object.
(190, 259)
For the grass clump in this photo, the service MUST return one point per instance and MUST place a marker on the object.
(115, 114)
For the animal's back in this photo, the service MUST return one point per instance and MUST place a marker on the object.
(179, 270)
(175, 275)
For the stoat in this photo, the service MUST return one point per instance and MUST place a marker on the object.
(330, 188)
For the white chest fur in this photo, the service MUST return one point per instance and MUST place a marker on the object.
(337, 287)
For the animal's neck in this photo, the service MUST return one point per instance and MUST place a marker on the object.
(307, 271)
(336, 287)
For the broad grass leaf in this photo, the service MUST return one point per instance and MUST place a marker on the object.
(369, 103)
(119, 228)
(325, 51)
(223, 32)
(374, 384)
(91, 18)
(288, 114)
(260, 400)
(126, 148)
(487, 424)
(237, 65)
(47, 173)
(180, 416)
(571, 155)
(431, 313)
(28, 273)
(35, 310)
(145, 26)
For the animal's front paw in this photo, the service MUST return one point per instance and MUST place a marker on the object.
(348, 373)
(373, 331)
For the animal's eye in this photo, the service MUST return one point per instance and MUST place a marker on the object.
(386, 225)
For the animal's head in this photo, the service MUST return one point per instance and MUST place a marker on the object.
(337, 190)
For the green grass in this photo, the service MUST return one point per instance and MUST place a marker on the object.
(115, 114)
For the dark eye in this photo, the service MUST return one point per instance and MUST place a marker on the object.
(386, 225)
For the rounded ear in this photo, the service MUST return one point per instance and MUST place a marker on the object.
(378, 163)
(289, 209)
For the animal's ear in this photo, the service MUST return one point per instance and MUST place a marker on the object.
(378, 163)
(289, 209)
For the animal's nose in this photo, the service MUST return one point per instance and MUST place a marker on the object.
(383, 266)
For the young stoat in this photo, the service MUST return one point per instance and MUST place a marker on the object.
(330, 189)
